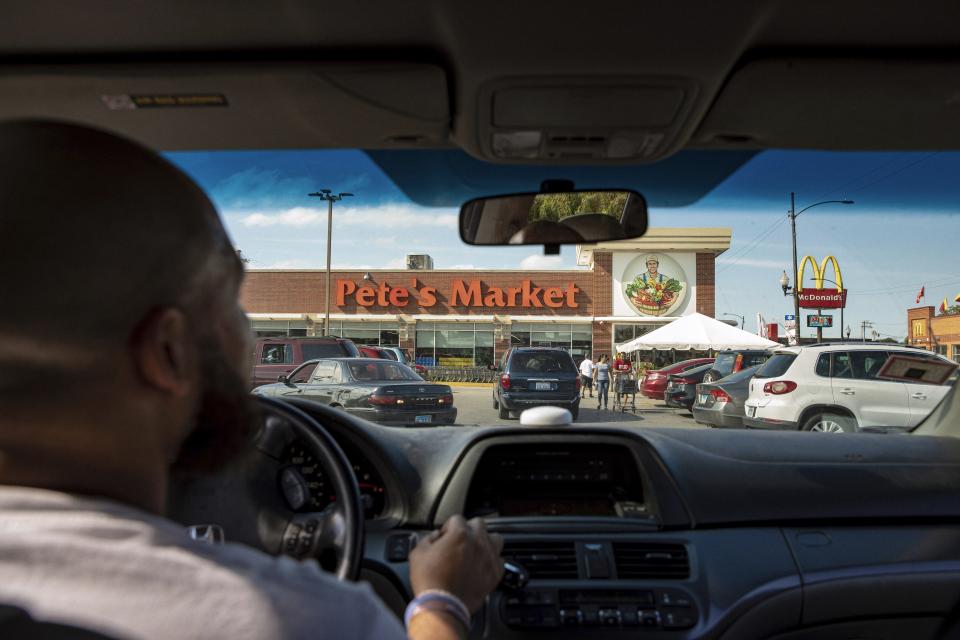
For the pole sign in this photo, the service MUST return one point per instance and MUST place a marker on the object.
(789, 316)
(819, 321)
(818, 297)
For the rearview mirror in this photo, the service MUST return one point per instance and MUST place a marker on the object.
(282, 378)
(554, 218)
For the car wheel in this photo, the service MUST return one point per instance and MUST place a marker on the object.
(829, 423)
(503, 412)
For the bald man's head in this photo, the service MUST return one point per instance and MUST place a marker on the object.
(120, 291)
(97, 230)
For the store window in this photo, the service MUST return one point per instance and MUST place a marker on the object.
(576, 338)
(454, 344)
(956, 353)
(278, 328)
(373, 333)
(627, 332)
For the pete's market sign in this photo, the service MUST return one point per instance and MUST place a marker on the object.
(465, 293)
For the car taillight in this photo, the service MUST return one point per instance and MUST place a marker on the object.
(719, 395)
(579, 384)
(382, 400)
(738, 363)
(446, 399)
(505, 382)
(779, 387)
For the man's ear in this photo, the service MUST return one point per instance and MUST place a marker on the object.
(163, 352)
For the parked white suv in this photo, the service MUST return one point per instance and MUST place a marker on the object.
(833, 388)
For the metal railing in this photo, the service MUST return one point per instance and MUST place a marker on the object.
(461, 374)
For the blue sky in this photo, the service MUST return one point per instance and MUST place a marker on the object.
(901, 234)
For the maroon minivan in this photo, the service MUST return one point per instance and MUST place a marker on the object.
(273, 357)
(654, 383)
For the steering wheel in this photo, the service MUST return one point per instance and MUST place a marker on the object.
(258, 499)
(339, 527)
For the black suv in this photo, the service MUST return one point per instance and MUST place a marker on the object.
(534, 377)
(734, 360)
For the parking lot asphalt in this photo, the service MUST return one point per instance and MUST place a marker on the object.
(475, 407)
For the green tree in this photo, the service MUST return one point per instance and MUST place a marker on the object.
(557, 206)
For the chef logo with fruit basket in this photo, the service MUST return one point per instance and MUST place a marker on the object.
(653, 293)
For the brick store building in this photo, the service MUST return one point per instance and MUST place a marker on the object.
(938, 333)
(621, 290)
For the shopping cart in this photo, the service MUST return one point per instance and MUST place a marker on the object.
(625, 394)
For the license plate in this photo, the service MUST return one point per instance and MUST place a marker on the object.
(751, 411)
(542, 386)
(422, 419)
(702, 398)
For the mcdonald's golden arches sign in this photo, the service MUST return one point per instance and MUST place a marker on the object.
(820, 297)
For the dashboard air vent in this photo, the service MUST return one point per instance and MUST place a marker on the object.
(544, 560)
(651, 561)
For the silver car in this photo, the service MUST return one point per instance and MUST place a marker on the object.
(720, 403)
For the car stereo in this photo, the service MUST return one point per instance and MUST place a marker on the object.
(522, 480)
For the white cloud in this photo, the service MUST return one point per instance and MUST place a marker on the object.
(282, 264)
(540, 261)
(388, 216)
(753, 262)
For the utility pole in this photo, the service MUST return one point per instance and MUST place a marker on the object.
(796, 281)
(797, 285)
(330, 197)
(863, 329)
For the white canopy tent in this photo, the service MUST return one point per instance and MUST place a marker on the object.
(697, 332)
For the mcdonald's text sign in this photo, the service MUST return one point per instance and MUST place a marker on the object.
(822, 298)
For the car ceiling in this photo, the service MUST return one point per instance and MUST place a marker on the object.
(603, 82)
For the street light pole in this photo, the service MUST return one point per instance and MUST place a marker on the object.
(796, 280)
(797, 285)
(330, 197)
(737, 315)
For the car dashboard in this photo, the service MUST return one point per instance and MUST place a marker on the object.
(673, 533)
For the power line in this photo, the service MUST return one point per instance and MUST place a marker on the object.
(860, 177)
(741, 253)
(893, 173)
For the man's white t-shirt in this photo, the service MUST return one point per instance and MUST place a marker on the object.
(125, 573)
(586, 367)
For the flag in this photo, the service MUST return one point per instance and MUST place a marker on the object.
(923, 291)
(943, 306)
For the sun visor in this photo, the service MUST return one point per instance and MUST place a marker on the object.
(837, 104)
(575, 120)
(242, 106)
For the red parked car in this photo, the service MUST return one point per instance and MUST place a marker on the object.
(654, 382)
(366, 351)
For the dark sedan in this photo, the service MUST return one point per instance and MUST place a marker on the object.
(720, 403)
(682, 387)
(382, 391)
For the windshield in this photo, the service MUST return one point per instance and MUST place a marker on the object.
(875, 262)
(777, 365)
(525, 362)
(366, 371)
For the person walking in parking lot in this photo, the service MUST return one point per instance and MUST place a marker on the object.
(601, 373)
(586, 376)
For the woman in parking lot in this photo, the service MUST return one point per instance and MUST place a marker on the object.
(601, 375)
